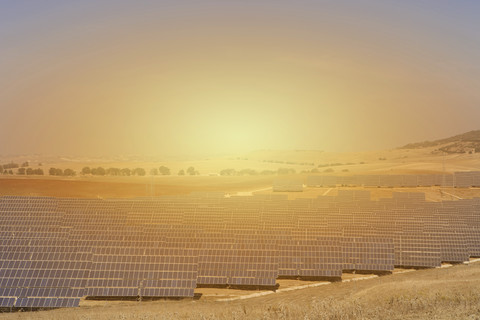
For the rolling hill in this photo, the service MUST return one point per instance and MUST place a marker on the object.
(468, 142)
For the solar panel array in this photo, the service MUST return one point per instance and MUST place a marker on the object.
(467, 179)
(56, 251)
(39, 265)
(464, 179)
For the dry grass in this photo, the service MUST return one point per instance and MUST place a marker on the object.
(452, 293)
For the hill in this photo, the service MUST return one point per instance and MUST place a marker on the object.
(468, 142)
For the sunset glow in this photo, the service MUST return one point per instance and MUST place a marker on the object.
(122, 77)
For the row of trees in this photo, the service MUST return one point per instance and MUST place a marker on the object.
(190, 171)
(7, 166)
(59, 172)
(13, 165)
(23, 171)
(163, 171)
(100, 171)
(30, 171)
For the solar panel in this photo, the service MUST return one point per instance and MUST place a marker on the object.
(320, 258)
(368, 254)
(7, 302)
(459, 179)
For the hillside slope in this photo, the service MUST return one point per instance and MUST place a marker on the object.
(461, 143)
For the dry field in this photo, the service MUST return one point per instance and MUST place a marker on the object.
(443, 293)
(122, 187)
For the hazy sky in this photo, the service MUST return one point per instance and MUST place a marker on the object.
(105, 77)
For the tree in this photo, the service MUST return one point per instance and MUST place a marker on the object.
(52, 171)
(228, 172)
(164, 171)
(58, 172)
(126, 172)
(86, 170)
(139, 171)
(113, 172)
(250, 172)
(181, 172)
(10, 171)
(30, 172)
(25, 164)
(154, 172)
(38, 172)
(100, 171)
(21, 171)
(69, 173)
(191, 171)
(10, 165)
(1, 168)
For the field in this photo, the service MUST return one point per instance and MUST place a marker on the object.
(124, 187)
(121, 187)
(397, 161)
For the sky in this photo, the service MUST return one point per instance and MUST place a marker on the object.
(115, 77)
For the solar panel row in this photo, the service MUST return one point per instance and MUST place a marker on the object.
(458, 179)
(167, 246)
